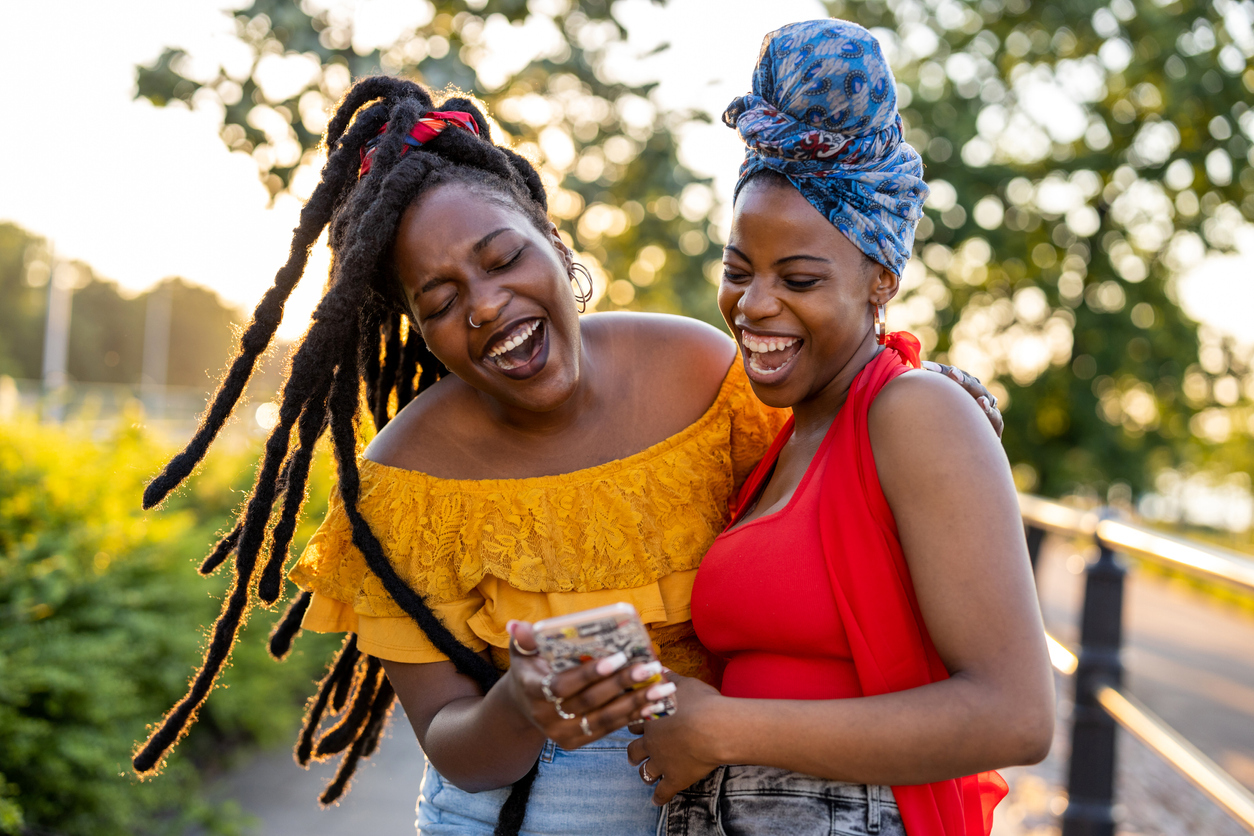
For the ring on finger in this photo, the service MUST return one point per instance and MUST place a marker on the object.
(563, 713)
(546, 686)
(584, 727)
(644, 773)
(514, 646)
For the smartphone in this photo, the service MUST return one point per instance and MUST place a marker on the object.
(568, 641)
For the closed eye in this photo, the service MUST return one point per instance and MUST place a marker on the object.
(443, 310)
(510, 262)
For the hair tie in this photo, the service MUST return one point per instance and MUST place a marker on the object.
(424, 130)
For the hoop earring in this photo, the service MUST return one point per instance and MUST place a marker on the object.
(577, 270)
(881, 324)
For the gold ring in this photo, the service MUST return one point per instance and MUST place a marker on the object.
(516, 648)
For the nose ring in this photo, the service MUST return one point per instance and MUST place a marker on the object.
(471, 319)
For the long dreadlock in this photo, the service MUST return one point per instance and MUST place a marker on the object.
(357, 336)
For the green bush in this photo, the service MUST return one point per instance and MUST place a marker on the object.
(102, 621)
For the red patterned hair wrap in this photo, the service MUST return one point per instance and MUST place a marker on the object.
(426, 129)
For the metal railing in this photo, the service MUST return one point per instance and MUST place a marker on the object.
(1101, 704)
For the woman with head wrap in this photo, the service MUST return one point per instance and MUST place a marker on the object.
(872, 598)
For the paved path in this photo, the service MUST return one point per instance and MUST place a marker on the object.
(1190, 659)
(284, 798)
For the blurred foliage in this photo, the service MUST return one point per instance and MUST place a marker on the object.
(1082, 157)
(639, 218)
(106, 343)
(102, 608)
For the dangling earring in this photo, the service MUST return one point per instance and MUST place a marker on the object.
(578, 272)
(881, 324)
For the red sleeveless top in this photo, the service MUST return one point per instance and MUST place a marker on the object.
(790, 644)
(767, 605)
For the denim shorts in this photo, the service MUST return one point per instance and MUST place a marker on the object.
(767, 801)
(583, 791)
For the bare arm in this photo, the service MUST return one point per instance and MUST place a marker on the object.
(477, 742)
(948, 483)
(485, 741)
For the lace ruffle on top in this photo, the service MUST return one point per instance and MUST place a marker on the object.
(484, 551)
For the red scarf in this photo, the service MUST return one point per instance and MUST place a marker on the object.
(892, 650)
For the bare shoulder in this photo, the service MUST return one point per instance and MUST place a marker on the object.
(438, 415)
(930, 439)
(924, 417)
(679, 348)
(679, 332)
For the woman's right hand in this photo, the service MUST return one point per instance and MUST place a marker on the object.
(597, 697)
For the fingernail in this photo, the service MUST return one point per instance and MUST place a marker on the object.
(956, 375)
(983, 401)
(656, 708)
(611, 663)
(662, 689)
(509, 626)
(643, 672)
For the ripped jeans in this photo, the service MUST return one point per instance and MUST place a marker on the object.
(768, 801)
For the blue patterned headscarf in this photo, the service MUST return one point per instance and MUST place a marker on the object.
(823, 113)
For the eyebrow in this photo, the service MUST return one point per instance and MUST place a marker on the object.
(784, 260)
(479, 247)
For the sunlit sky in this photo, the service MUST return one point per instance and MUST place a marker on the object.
(141, 193)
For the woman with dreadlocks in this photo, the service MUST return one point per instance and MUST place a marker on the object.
(551, 464)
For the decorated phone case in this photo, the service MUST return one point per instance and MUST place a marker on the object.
(567, 641)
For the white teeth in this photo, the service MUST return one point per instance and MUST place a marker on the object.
(754, 364)
(761, 345)
(518, 338)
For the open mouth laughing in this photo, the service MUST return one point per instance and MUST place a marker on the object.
(520, 349)
(769, 355)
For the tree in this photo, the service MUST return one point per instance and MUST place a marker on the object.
(23, 301)
(106, 341)
(1081, 157)
(637, 216)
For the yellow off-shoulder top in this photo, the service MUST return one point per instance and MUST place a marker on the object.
(484, 551)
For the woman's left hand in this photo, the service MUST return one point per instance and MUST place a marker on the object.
(975, 389)
(674, 750)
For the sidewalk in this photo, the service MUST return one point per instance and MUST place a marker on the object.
(1154, 799)
(283, 798)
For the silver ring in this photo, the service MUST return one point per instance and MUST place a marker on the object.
(584, 727)
(515, 647)
(644, 772)
(471, 319)
(992, 400)
(546, 686)
(563, 713)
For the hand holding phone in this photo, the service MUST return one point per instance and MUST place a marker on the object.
(594, 693)
(567, 641)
